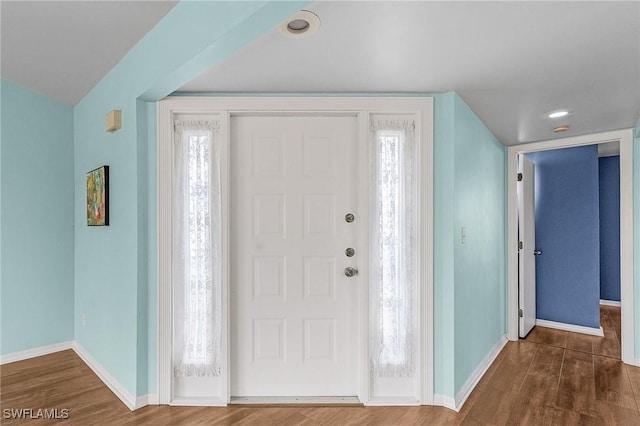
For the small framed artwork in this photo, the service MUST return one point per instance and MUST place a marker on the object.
(98, 197)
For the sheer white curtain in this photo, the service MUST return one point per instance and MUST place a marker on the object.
(393, 248)
(196, 233)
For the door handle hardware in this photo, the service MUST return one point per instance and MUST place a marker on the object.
(349, 252)
(350, 272)
(537, 252)
(349, 217)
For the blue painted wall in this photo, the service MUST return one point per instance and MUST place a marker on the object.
(36, 220)
(568, 233)
(115, 283)
(469, 278)
(609, 173)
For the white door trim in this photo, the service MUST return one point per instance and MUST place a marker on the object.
(625, 137)
(363, 107)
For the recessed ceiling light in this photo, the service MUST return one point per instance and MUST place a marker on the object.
(558, 114)
(302, 24)
(562, 128)
(298, 26)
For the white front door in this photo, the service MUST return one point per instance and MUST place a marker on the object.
(527, 235)
(294, 311)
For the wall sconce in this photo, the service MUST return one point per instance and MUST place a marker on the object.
(113, 121)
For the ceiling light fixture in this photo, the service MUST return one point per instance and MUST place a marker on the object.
(302, 24)
(562, 128)
(298, 26)
(558, 114)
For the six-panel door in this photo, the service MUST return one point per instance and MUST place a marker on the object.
(293, 311)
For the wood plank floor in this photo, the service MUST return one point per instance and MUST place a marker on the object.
(550, 378)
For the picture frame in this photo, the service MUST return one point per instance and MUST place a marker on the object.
(98, 197)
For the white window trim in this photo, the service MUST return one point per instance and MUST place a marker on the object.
(625, 137)
(223, 109)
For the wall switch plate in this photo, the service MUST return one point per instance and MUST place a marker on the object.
(83, 317)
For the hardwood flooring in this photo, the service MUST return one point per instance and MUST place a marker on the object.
(550, 378)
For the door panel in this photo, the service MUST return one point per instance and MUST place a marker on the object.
(293, 312)
(526, 257)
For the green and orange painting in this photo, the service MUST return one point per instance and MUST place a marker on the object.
(98, 197)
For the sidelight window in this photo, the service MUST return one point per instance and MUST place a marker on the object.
(394, 248)
(197, 268)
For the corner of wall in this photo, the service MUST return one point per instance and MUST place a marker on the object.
(115, 265)
(636, 219)
(443, 286)
(39, 299)
(478, 241)
(152, 236)
(143, 249)
(1, 168)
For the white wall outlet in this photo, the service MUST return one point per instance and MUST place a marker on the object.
(463, 235)
(83, 318)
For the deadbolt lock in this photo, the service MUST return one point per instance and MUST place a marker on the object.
(349, 252)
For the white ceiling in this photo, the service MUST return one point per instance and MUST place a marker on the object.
(62, 49)
(510, 61)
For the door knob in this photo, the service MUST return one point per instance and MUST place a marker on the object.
(537, 252)
(350, 272)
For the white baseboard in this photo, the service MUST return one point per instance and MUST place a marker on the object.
(198, 402)
(444, 401)
(252, 400)
(120, 391)
(605, 302)
(571, 327)
(32, 353)
(148, 399)
(472, 381)
(391, 402)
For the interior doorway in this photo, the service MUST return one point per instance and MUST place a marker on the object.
(624, 138)
(572, 251)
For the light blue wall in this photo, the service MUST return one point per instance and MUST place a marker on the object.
(37, 220)
(568, 233)
(469, 278)
(443, 243)
(1, 85)
(480, 270)
(110, 284)
(609, 185)
(636, 224)
(152, 261)
(114, 279)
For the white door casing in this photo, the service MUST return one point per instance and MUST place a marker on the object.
(526, 235)
(363, 108)
(293, 311)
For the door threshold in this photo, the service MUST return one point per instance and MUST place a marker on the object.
(296, 400)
